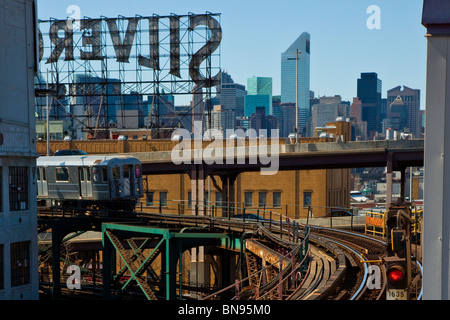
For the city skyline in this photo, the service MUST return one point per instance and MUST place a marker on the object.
(254, 36)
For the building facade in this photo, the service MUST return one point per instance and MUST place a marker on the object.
(328, 110)
(232, 97)
(369, 92)
(293, 193)
(258, 100)
(223, 120)
(18, 207)
(411, 100)
(289, 75)
(259, 86)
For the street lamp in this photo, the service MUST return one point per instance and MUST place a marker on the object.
(48, 116)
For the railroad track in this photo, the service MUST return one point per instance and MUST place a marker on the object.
(339, 260)
(363, 258)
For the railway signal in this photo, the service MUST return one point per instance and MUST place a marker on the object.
(398, 252)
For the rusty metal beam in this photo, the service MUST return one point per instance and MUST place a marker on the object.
(267, 254)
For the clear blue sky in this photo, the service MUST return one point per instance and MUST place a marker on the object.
(256, 32)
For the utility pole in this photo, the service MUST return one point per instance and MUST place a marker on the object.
(297, 126)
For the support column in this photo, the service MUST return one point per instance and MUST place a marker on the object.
(197, 175)
(172, 255)
(56, 266)
(389, 181)
(436, 223)
(107, 256)
(403, 184)
(224, 180)
(193, 176)
(201, 190)
(228, 193)
(231, 193)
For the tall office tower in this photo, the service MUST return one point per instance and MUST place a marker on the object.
(369, 92)
(287, 120)
(397, 116)
(259, 94)
(276, 100)
(223, 120)
(289, 75)
(19, 279)
(131, 114)
(259, 85)
(232, 97)
(356, 110)
(95, 103)
(411, 99)
(328, 110)
(257, 100)
(260, 120)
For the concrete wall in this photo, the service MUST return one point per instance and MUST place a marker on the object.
(17, 142)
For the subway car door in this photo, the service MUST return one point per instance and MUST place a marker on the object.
(127, 180)
(115, 183)
(85, 182)
(42, 181)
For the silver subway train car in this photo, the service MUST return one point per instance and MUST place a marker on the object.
(87, 182)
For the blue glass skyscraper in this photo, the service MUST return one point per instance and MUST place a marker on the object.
(289, 73)
(259, 94)
(369, 92)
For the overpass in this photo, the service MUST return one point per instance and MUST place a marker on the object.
(394, 154)
(228, 158)
(229, 162)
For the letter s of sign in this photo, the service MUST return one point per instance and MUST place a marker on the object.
(204, 52)
(74, 281)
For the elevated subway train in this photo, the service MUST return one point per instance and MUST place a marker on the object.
(89, 182)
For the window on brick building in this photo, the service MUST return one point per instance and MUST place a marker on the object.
(276, 199)
(307, 198)
(262, 199)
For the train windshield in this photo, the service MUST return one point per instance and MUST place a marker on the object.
(138, 170)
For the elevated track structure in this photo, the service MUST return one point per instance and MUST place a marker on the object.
(145, 258)
(271, 258)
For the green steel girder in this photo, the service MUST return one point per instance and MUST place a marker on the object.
(175, 243)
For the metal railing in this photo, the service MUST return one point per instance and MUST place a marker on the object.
(244, 212)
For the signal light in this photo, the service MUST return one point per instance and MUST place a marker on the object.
(396, 274)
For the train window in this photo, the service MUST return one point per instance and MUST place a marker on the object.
(44, 174)
(126, 171)
(95, 173)
(116, 173)
(104, 174)
(138, 171)
(62, 174)
(38, 177)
